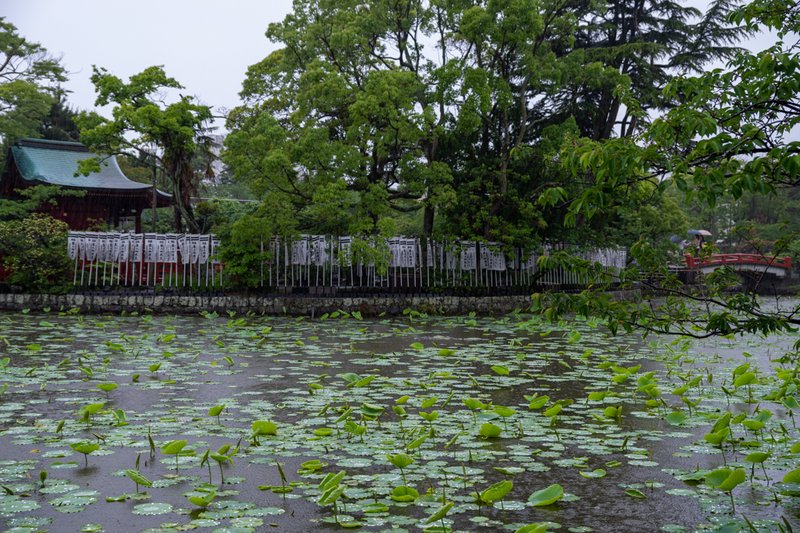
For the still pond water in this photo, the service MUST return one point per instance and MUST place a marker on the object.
(437, 424)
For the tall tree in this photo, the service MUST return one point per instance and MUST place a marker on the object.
(349, 114)
(642, 44)
(727, 136)
(59, 123)
(579, 69)
(170, 135)
(451, 106)
(29, 78)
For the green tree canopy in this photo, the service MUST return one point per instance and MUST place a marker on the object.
(453, 107)
(59, 123)
(727, 137)
(29, 79)
(170, 135)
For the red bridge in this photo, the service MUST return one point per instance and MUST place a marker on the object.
(777, 266)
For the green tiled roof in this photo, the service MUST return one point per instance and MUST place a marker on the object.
(56, 163)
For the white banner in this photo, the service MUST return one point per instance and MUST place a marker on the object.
(404, 252)
(468, 256)
(300, 251)
(319, 250)
(492, 258)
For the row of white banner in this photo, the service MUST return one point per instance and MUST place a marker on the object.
(147, 247)
(317, 250)
(310, 250)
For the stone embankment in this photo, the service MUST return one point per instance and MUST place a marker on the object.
(391, 304)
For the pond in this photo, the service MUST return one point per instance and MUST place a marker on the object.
(245, 423)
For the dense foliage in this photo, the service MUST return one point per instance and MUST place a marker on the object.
(456, 110)
(512, 121)
(29, 79)
(34, 251)
(727, 139)
(167, 135)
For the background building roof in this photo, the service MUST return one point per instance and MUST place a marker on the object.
(56, 163)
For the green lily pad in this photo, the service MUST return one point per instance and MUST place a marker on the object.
(546, 496)
(153, 508)
(594, 474)
(404, 493)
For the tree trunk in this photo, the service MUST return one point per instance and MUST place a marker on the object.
(177, 219)
(155, 201)
(427, 220)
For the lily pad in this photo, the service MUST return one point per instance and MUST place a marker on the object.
(153, 508)
(546, 496)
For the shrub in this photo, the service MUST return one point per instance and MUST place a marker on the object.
(34, 250)
(241, 250)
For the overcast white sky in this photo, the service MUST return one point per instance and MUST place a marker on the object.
(206, 45)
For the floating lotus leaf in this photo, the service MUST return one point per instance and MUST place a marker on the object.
(546, 496)
(85, 447)
(152, 508)
(792, 477)
(10, 505)
(490, 431)
(440, 513)
(509, 470)
(496, 492)
(400, 460)
(404, 493)
(635, 493)
(725, 479)
(173, 447)
(294, 385)
(538, 527)
(138, 478)
(264, 427)
(676, 418)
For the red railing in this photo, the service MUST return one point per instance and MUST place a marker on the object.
(738, 259)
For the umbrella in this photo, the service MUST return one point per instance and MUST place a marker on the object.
(703, 232)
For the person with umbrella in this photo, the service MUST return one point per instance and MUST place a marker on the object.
(699, 239)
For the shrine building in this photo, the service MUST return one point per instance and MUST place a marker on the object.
(111, 198)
